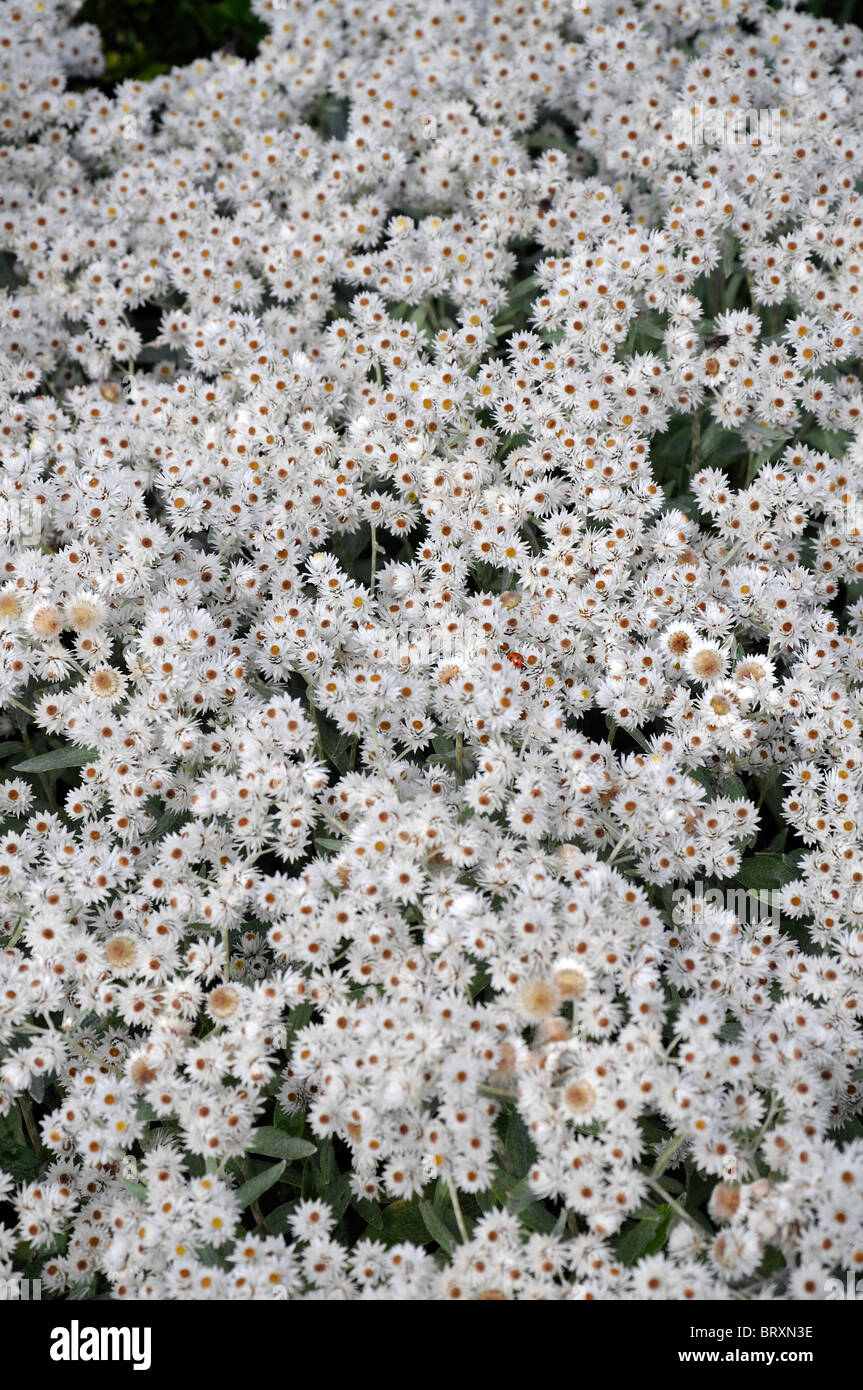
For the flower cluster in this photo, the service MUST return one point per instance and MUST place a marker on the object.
(449, 486)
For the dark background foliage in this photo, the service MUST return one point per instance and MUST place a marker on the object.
(142, 38)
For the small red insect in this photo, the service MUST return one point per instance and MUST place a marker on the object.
(516, 658)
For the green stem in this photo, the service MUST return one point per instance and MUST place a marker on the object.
(374, 557)
(23, 708)
(675, 1206)
(43, 781)
(310, 693)
(667, 1155)
(696, 441)
(255, 1206)
(15, 937)
(619, 846)
(456, 1206)
(30, 1125)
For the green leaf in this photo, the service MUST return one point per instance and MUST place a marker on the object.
(437, 1228)
(277, 1221)
(250, 1191)
(57, 759)
(734, 789)
(36, 1090)
(831, 442)
(167, 823)
(772, 794)
(370, 1213)
(337, 746)
(519, 1199)
(275, 1143)
(403, 1222)
(137, 1189)
(212, 1258)
(535, 1217)
(773, 1261)
(646, 1237)
(440, 1198)
(701, 776)
(339, 1195)
(766, 871)
(327, 1168)
(297, 1019)
(518, 1144)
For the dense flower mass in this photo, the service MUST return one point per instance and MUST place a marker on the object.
(431, 545)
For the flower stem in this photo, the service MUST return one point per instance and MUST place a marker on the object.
(456, 1206)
